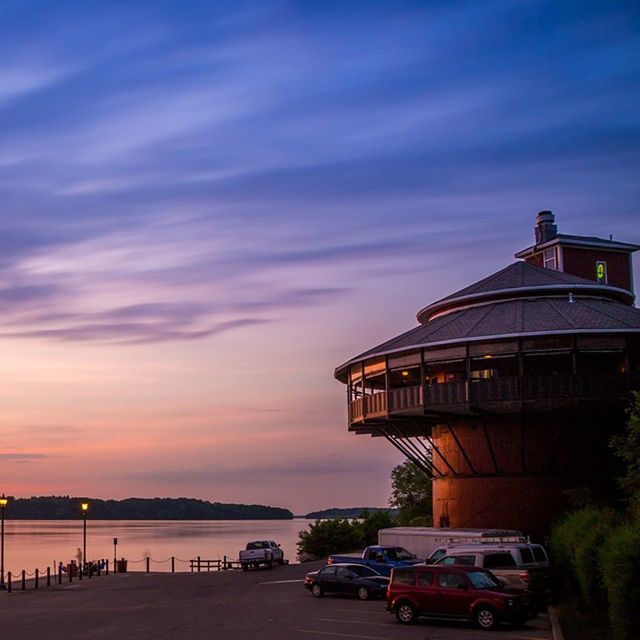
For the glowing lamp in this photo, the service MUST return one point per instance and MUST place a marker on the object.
(3, 501)
(84, 506)
(405, 373)
(488, 356)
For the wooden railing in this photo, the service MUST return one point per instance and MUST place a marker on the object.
(533, 387)
(447, 393)
(494, 389)
(376, 403)
(405, 398)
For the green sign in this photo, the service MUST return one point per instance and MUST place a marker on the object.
(601, 272)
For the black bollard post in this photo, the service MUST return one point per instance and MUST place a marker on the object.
(70, 570)
(148, 559)
(48, 576)
(106, 573)
(173, 564)
(24, 579)
(60, 573)
(198, 564)
(36, 581)
(9, 582)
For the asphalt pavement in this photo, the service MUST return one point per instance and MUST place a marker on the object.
(255, 605)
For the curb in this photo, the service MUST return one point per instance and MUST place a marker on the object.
(556, 630)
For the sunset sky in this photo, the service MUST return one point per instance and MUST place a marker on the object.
(206, 207)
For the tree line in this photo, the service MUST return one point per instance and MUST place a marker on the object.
(68, 508)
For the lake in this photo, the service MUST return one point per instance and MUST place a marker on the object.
(41, 543)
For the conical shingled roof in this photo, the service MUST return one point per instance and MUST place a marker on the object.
(521, 279)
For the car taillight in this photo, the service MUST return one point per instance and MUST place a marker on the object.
(329, 561)
(524, 576)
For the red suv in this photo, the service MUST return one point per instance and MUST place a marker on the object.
(455, 592)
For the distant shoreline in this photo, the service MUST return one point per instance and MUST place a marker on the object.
(68, 508)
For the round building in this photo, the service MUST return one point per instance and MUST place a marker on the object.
(508, 391)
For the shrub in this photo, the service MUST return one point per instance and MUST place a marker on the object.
(620, 563)
(329, 536)
(370, 523)
(576, 543)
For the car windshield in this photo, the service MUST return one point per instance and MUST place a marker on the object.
(483, 580)
(398, 553)
(362, 571)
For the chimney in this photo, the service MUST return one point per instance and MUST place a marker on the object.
(545, 227)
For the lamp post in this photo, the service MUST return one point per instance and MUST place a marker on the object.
(3, 504)
(84, 506)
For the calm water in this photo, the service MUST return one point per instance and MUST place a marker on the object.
(41, 543)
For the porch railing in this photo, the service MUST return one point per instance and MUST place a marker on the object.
(531, 387)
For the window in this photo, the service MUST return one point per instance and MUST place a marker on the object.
(451, 581)
(495, 560)
(483, 580)
(328, 572)
(362, 571)
(527, 556)
(550, 258)
(398, 553)
(436, 555)
(402, 576)
(342, 573)
(601, 272)
(467, 560)
(425, 579)
(539, 553)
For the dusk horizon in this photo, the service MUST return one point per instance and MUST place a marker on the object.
(207, 209)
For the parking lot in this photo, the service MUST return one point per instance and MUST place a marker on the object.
(268, 605)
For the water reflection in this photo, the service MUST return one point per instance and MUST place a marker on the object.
(41, 543)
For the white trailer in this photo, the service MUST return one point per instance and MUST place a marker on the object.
(422, 541)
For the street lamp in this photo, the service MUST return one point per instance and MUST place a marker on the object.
(3, 504)
(84, 506)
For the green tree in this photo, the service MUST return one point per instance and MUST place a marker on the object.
(627, 447)
(411, 494)
(329, 536)
(371, 522)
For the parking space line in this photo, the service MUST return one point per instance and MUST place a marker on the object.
(281, 582)
(343, 621)
(351, 610)
(340, 635)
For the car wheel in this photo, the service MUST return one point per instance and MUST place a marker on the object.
(406, 613)
(486, 618)
(363, 593)
(316, 591)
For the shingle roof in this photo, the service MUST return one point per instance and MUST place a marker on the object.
(525, 279)
(508, 318)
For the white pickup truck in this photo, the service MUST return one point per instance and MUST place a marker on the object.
(261, 552)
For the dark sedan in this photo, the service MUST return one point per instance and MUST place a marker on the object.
(354, 579)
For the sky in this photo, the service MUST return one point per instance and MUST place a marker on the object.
(206, 207)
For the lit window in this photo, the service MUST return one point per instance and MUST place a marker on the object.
(601, 272)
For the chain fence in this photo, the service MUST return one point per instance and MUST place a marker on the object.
(25, 580)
